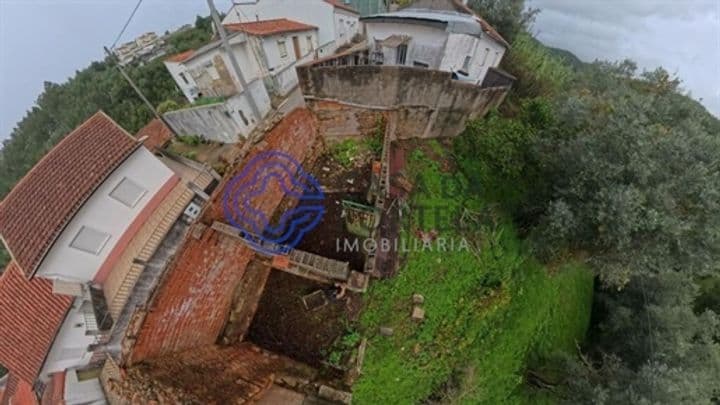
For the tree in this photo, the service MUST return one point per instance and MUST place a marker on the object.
(635, 181)
(509, 17)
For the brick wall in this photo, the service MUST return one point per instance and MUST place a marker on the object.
(192, 302)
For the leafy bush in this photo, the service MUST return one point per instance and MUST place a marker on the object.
(191, 140)
(345, 152)
(207, 101)
(540, 73)
(167, 106)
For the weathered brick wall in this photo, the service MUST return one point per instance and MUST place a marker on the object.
(337, 121)
(192, 302)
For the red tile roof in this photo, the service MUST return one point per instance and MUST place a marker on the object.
(181, 57)
(30, 318)
(339, 4)
(38, 208)
(157, 133)
(269, 27)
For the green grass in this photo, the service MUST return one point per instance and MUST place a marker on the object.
(489, 310)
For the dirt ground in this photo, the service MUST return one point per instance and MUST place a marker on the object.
(282, 323)
(324, 239)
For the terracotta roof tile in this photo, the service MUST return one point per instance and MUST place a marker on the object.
(157, 133)
(181, 57)
(339, 4)
(29, 320)
(269, 27)
(38, 208)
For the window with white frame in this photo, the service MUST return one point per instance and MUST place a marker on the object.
(282, 47)
(466, 64)
(90, 240)
(484, 60)
(311, 47)
(128, 192)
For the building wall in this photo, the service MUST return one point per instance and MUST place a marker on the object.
(69, 349)
(226, 122)
(103, 213)
(213, 72)
(281, 70)
(427, 44)
(272, 50)
(429, 102)
(82, 392)
(484, 53)
(313, 12)
(347, 25)
(188, 89)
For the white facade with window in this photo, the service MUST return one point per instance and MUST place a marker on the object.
(448, 41)
(282, 52)
(336, 24)
(94, 231)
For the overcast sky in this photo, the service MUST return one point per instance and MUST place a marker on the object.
(50, 39)
(683, 36)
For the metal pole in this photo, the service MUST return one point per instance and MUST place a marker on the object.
(138, 91)
(233, 61)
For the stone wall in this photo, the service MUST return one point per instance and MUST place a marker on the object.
(429, 102)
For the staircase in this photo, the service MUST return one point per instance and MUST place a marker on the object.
(301, 263)
(151, 245)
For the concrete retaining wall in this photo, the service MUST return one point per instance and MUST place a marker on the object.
(429, 102)
(227, 122)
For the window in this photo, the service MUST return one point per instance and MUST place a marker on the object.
(213, 72)
(400, 54)
(243, 117)
(484, 60)
(128, 192)
(90, 240)
(310, 43)
(417, 63)
(184, 78)
(283, 49)
(496, 61)
(466, 64)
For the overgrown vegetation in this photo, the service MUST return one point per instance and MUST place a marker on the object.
(489, 308)
(623, 175)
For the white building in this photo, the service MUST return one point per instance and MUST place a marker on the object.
(147, 46)
(279, 45)
(337, 21)
(448, 38)
(80, 227)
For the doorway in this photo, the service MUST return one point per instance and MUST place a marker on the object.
(401, 54)
(296, 47)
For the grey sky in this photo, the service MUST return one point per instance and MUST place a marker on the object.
(683, 36)
(48, 40)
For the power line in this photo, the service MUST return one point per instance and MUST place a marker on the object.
(137, 6)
